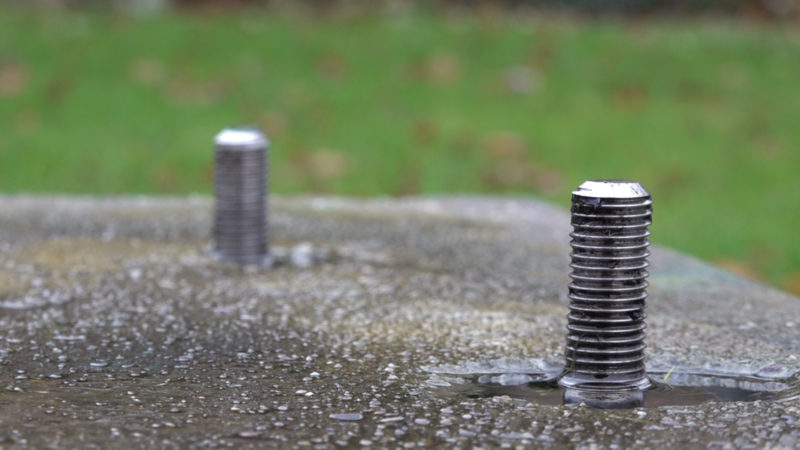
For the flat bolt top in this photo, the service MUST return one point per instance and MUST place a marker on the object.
(611, 189)
(241, 137)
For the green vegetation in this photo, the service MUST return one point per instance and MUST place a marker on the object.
(704, 114)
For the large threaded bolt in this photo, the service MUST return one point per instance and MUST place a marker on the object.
(240, 186)
(606, 329)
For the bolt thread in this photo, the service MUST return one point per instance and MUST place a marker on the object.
(240, 188)
(605, 325)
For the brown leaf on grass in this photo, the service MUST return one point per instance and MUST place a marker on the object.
(425, 131)
(165, 178)
(491, 15)
(197, 93)
(410, 181)
(505, 175)
(696, 93)
(14, 77)
(740, 268)
(296, 95)
(521, 80)
(442, 68)
(274, 123)
(316, 168)
(504, 145)
(248, 67)
(768, 148)
(761, 254)
(541, 55)
(630, 97)
(321, 115)
(332, 67)
(58, 87)
(207, 174)
(507, 153)
(548, 180)
(791, 283)
(148, 72)
(27, 121)
(509, 174)
(672, 178)
(733, 76)
(326, 164)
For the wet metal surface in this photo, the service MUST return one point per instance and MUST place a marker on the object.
(240, 196)
(606, 323)
(118, 329)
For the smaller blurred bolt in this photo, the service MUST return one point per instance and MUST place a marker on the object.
(240, 186)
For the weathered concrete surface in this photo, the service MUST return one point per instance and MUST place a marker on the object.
(117, 329)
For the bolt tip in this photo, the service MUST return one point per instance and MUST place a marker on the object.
(241, 137)
(611, 189)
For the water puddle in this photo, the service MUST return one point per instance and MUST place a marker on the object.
(534, 381)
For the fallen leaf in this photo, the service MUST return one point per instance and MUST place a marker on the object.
(740, 268)
(425, 131)
(548, 180)
(630, 97)
(326, 164)
(733, 76)
(196, 92)
(673, 178)
(207, 174)
(492, 15)
(274, 123)
(13, 78)
(296, 95)
(521, 80)
(27, 121)
(410, 181)
(443, 68)
(768, 148)
(58, 87)
(509, 174)
(504, 145)
(165, 178)
(315, 169)
(505, 175)
(148, 72)
(332, 66)
(542, 54)
(791, 283)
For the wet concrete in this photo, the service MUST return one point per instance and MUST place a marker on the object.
(117, 329)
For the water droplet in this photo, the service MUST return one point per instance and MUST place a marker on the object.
(249, 434)
(347, 417)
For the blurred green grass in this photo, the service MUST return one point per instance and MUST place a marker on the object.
(704, 113)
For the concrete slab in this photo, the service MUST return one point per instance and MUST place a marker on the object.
(118, 329)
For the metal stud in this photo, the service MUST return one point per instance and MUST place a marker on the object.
(605, 339)
(240, 187)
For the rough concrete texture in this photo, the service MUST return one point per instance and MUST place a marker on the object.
(117, 329)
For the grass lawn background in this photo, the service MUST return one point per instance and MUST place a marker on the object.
(706, 113)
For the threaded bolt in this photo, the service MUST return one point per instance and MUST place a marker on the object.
(605, 330)
(240, 187)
